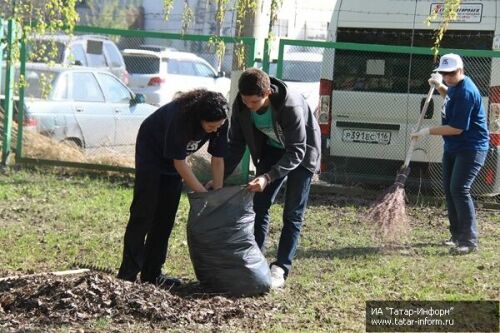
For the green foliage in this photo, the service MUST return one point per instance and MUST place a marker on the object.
(243, 7)
(275, 8)
(449, 13)
(187, 17)
(41, 16)
(220, 12)
(112, 13)
(168, 5)
(219, 47)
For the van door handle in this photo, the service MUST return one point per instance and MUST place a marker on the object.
(117, 110)
(79, 109)
(430, 108)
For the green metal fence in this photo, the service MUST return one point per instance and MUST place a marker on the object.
(87, 132)
(371, 98)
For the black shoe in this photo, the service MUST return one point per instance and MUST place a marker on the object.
(461, 250)
(167, 282)
(450, 242)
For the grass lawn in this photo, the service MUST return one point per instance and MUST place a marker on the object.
(47, 222)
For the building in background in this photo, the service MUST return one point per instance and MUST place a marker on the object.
(296, 20)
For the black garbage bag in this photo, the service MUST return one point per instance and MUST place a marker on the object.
(222, 245)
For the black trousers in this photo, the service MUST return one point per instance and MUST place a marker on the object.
(152, 216)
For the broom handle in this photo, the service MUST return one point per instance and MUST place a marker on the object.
(413, 140)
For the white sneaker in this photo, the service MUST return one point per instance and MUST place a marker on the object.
(277, 277)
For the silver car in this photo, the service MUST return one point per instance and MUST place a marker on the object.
(88, 107)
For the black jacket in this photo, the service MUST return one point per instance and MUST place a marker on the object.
(295, 127)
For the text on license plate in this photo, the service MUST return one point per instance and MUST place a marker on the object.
(349, 135)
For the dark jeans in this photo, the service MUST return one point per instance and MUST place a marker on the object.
(459, 171)
(297, 193)
(152, 216)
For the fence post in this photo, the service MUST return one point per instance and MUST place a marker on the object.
(20, 105)
(9, 92)
(2, 46)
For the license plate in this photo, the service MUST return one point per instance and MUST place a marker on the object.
(383, 138)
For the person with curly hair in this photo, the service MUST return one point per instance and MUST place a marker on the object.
(165, 139)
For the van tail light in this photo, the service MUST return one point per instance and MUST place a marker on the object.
(494, 115)
(156, 81)
(325, 118)
(324, 114)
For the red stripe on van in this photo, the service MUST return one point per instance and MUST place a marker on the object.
(495, 139)
(494, 95)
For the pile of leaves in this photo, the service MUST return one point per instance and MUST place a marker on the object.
(48, 301)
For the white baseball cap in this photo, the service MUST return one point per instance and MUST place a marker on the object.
(449, 62)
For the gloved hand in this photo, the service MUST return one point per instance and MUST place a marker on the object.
(420, 134)
(435, 80)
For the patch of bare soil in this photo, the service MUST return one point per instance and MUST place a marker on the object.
(32, 302)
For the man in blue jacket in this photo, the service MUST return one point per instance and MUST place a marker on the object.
(283, 137)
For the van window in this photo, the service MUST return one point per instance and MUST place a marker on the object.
(142, 64)
(301, 71)
(181, 67)
(96, 60)
(399, 72)
(78, 55)
(85, 88)
(40, 50)
(113, 55)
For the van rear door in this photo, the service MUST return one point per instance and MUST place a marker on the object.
(370, 99)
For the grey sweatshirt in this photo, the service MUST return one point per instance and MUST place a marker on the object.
(295, 127)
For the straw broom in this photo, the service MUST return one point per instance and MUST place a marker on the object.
(388, 212)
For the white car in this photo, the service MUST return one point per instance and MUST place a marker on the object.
(301, 73)
(160, 76)
(82, 50)
(87, 107)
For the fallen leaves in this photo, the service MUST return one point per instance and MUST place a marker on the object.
(56, 301)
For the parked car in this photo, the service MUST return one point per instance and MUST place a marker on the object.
(301, 72)
(88, 107)
(162, 75)
(156, 48)
(83, 50)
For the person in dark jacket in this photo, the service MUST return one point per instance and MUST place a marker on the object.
(164, 141)
(283, 137)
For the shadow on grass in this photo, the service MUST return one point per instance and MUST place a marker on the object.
(370, 251)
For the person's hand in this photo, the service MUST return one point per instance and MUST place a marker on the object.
(258, 184)
(436, 80)
(420, 134)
